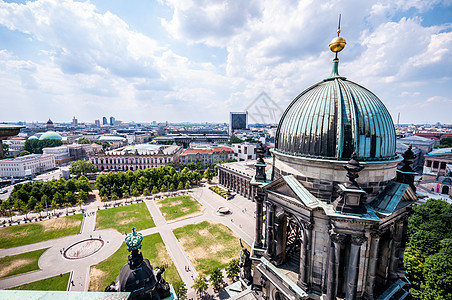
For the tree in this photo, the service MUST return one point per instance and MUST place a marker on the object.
(135, 193)
(216, 278)
(200, 285)
(5, 148)
(146, 192)
(187, 185)
(172, 187)
(235, 140)
(180, 185)
(83, 140)
(58, 198)
(35, 146)
(105, 145)
(180, 289)
(438, 273)
(32, 203)
(39, 208)
(232, 269)
(154, 190)
(125, 195)
(24, 152)
(67, 205)
(428, 255)
(83, 195)
(196, 177)
(114, 197)
(163, 188)
(70, 197)
(80, 203)
(80, 167)
(208, 175)
(54, 205)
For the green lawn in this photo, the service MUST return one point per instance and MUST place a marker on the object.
(152, 248)
(208, 245)
(55, 283)
(19, 235)
(123, 218)
(178, 208)
(20, 263)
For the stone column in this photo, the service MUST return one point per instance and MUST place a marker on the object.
(333, 264)
(304, 258)
(353, 266)
(270, 234)
(372, 269)
(259, 210)
(397, 245)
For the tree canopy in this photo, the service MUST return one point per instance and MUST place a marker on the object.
(428, 254)
(83, 140)
(151, 180)
(82, 167)
(33, 195)
(35, 146)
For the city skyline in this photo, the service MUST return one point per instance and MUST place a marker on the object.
(195, 61)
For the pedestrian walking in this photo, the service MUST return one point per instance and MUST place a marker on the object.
(72, 282)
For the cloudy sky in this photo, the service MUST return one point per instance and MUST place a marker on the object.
(196, 60)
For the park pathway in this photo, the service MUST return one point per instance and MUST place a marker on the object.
(173, 246)
(79, 280)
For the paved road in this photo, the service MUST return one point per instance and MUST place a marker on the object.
(52, 263)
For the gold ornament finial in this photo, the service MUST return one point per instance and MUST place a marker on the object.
(338, 43)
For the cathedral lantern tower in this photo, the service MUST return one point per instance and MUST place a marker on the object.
(335, 213)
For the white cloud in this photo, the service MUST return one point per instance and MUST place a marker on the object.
(94, 61)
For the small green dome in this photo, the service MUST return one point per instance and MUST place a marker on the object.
(33, 137)
(51, 135)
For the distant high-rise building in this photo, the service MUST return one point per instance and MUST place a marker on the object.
(104, 121)
(112, 121)
(97, 123)
(74, 121)
(238, 121)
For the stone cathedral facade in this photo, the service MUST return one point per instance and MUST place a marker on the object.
(331, 217)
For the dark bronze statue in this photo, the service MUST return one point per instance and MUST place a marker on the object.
(245, 264)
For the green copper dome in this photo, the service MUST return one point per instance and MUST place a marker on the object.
(50, 135)
(334, 118)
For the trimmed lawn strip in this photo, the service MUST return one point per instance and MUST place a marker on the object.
(20, 263)
(209, 245)
(152, 248)
(123, 218)
(55, 283)
(179, 207)
(25, 234)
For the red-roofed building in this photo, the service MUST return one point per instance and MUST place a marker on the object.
(206, 154)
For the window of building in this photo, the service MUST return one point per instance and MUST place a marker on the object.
(443, 165)
(435, 164)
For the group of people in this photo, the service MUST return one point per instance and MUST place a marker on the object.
(89, 214)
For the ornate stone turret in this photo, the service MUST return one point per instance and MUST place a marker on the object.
(138, 276)
(405, 174)
(260, 164)
(351, 195)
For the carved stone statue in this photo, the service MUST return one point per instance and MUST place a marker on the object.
(245, 264)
